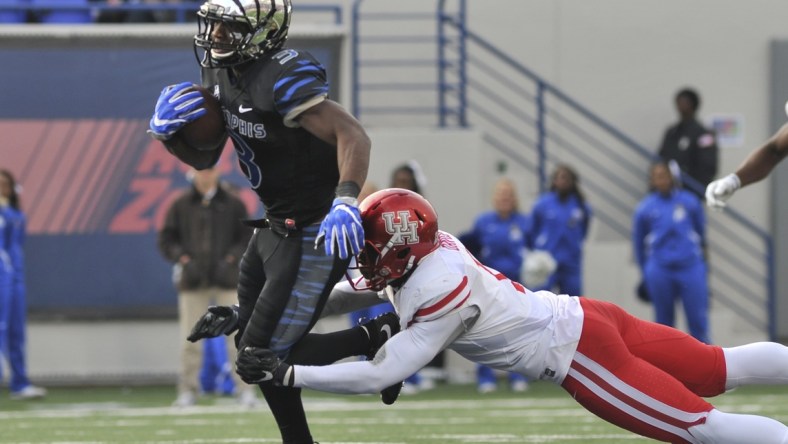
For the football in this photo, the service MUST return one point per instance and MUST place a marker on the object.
(207, 132)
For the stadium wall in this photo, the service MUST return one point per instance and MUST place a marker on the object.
(624, 60)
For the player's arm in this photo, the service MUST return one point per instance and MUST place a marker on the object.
(341, 230)
(404, 354)
(177, 106)
(198, 159)
(331, 123)
(762, 161)
(755, 167)
(344, 299)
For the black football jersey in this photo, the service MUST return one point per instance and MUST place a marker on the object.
(294, 173)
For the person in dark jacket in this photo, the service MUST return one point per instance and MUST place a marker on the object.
(690, 145)
(204, 237)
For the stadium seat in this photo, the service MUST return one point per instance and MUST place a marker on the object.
(12, 15)
(65, 15)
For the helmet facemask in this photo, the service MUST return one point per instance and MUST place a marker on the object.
(232, 32)
(378, 267)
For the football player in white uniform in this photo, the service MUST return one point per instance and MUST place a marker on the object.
(644, 377)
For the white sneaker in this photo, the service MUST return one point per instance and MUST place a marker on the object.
(519, 386)
(185, 399)
(426, 384)
(248, 398)
(29, 392)
(487, 387)
(409, 389)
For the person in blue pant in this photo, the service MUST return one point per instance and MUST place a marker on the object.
(216, 374)
(14, 307)
(497, 239)
(559, 225)
(668, 235)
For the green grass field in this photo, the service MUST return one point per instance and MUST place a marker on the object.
(448, 414)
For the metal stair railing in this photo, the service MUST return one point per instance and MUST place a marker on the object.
(537, 126)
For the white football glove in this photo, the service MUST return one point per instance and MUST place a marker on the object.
(721, 190)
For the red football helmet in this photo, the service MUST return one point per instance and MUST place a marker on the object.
(400, 228)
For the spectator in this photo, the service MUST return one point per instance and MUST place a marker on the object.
(668, 235)
(498, 236)
(13, 308)
(405, 176)
(559, 226)
(690, 144)
(204, 237)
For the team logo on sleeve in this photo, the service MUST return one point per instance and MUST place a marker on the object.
(402, 232)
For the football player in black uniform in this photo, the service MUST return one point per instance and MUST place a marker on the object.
(306, 157)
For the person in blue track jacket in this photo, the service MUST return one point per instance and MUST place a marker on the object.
(668, 235)
(13, 307)
(559, 224)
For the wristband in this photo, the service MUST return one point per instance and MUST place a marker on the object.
(348, 188)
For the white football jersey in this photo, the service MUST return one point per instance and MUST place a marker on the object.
(512, 328)
(453, 301)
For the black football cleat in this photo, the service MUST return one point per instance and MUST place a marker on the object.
(379, 330)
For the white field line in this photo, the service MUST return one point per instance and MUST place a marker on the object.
(313, 405)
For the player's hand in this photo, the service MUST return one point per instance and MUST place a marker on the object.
(218, 320)
(721, 190)
(255, 365)
(177, 105)
(342, 229)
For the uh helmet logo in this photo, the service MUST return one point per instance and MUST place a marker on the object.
(402, 232)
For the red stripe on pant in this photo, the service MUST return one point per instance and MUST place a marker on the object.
(621, 373)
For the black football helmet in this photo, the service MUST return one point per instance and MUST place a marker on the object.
(232, 32)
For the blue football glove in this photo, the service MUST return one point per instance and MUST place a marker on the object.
(342, 228)
(256, 365)
(177, 105)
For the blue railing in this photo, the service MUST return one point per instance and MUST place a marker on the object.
(182, 10)
(537, 125)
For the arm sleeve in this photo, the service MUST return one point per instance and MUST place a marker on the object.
(344, 299)
(403, 355)
(301, 85)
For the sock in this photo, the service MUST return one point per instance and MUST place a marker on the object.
(756, 363)
(732, 428)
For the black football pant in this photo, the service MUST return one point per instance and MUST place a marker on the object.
(283, 285)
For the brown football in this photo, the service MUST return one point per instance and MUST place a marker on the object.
(207, 132)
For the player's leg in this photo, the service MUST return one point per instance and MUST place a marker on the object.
(733, 428)
(614, 384)
(298, 279)
(646, 383)
(756, 363)
(661, 287)
(694, 294)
